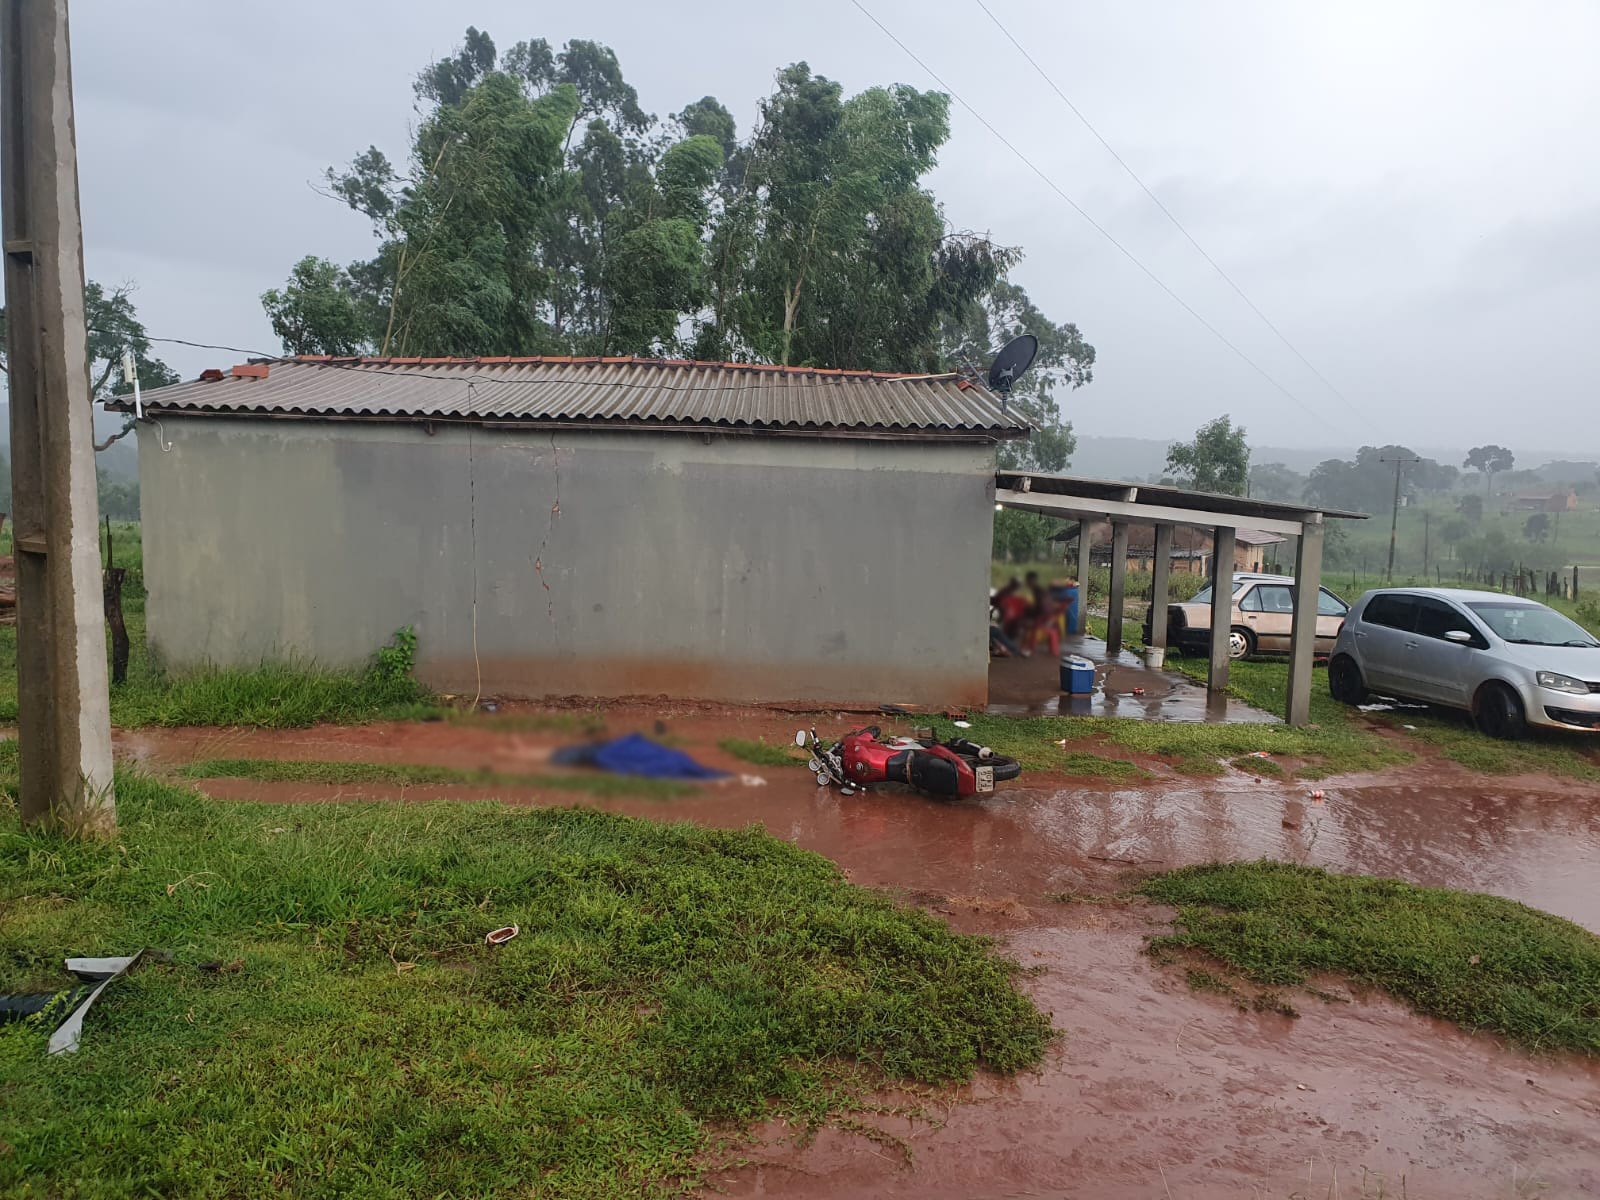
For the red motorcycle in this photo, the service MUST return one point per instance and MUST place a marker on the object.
(947, 769)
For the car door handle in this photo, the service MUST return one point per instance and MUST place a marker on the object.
(1411, 645)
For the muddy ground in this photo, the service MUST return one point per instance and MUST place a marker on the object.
(1153, 1091)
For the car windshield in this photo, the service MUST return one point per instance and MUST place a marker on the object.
(1532, 625)
(1203, 596)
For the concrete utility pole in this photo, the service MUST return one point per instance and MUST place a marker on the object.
(63, 721)
(1394, 518)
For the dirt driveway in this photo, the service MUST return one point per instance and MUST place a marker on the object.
(1154, 1091)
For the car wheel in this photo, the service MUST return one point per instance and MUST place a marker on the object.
(1344, 681)
(1241, 643)
(1499, 712)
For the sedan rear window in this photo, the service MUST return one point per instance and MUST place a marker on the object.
(1329, 605)
(1203, 596)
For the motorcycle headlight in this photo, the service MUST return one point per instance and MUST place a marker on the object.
(1562, 683)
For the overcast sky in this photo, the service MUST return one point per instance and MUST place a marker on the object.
(1411, 192)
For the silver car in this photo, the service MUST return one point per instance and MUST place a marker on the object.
(1510, 662)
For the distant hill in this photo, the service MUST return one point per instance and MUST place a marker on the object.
(1137, 458)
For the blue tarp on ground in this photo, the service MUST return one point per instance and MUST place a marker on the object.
(636, 754)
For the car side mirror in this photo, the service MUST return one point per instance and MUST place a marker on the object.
(1459, 636)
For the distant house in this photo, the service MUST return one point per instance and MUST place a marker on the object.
(1547, 502)
(1250, 547)
(1191, 548)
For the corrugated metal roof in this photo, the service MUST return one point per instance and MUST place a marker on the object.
(624, 391)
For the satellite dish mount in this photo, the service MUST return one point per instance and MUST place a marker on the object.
(1010, 363)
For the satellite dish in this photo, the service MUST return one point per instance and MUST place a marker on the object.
(1011, 362)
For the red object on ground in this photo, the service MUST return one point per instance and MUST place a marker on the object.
(936, 769)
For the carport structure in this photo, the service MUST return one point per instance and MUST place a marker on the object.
(1166, 508)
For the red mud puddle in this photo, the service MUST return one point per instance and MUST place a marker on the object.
(1123, 688)
(1533, 841)
(1155, 1091)
(1158, 1092)
(510, 741)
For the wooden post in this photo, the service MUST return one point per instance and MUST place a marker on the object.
(113, 600)
(63, 719)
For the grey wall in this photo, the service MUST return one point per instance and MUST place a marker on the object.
(580, 563)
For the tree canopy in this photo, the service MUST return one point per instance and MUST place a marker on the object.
(1489, 461)
(1217, 460)
(113, 326)
(541, 209)
(1366, 483)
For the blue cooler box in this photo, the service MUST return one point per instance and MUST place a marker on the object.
(1077, 675)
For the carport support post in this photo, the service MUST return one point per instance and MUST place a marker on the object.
(1084, 566)
(1114, 597)
(1160, 572)
(1221, 606)
(1303, 639)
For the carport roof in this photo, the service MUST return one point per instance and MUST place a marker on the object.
(1070, 495)
(599, 392)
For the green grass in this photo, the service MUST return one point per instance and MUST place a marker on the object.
(269, 770)
(763, 753)
(1264, 684)
(273, 695)
(1190, 749)
(1551, 752)
(1480, 961)
(670, 986)
(1252, 765)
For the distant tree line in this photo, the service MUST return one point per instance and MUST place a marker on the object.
(119, 498)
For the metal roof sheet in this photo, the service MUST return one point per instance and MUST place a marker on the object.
(627, 391)
(1210, 504)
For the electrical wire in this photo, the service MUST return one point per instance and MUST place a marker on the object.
(1156, 200)
(1077, 208)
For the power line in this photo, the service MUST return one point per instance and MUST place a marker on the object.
(1077, 208)
(1177, 224)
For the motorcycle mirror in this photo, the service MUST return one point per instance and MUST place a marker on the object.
(800, 738)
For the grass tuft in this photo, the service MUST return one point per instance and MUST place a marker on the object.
(763, 753)
(272, 695)
(1480, 961)
(329, 971)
